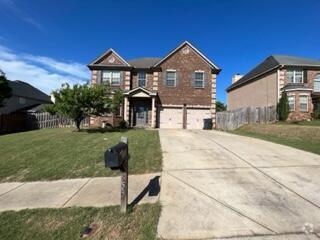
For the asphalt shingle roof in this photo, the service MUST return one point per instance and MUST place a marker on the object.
(143, 62)
(23, 89)
(272, 62)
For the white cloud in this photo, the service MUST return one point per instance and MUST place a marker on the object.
(13, 8)
(45, 73)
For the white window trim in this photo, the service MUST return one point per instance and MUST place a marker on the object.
(145, 80)
(294, 75)
(316, 80)
(199, 71)
(307, 96)
(294, 103)
(111, 77)
(175, 77)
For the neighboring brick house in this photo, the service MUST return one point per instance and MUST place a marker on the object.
(263, 85)
(177, 91)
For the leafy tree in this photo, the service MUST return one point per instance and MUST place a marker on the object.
(81, 101)
(220, 107)
(117, 100)
(5, 90)
(283, 107)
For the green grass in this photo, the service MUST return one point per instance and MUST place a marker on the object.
(61, 153)
(303, 123)
(67, 223)
(304, 137)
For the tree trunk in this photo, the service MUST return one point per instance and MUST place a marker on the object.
(78, 122)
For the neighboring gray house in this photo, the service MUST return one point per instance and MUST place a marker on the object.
(24, 97)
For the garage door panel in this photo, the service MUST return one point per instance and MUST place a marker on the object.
(171, 118)
(195, 118)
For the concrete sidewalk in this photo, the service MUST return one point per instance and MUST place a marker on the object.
(91, 192)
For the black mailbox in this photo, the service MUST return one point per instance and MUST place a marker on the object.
(115, 156)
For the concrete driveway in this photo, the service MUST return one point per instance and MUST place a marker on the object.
(217, 185)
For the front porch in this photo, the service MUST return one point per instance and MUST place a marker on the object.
(140, 108)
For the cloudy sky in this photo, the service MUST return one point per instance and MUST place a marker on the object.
(47, 43)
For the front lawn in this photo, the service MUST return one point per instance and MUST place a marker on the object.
(68, 223)
(59, 153)
(301, 136)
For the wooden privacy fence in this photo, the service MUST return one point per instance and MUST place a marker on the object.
(17, 122)
(234, 119)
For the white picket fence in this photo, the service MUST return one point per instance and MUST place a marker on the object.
(231, 120)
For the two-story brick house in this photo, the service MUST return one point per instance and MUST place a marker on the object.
(176, 91)
(264, 84)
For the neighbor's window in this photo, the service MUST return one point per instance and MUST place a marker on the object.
(171, 78)
(291, 100)
(295, 76)
(199, 79)
(303, 101)
(111, 77)
(142, 79)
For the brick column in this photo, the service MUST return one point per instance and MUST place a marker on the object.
(153, 112)
(213, 99)
(155, 81)
(94, 77)
(127, 80)
(126, 110)
(281, 82)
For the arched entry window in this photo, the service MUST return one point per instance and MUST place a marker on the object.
(316, 84)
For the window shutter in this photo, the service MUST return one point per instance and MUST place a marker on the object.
(205, 79)
(121, 78)
(99, 77)
(193, 79)
(177, 79)
(164, 76)
(305, 76)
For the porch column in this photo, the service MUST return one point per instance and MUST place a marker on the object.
(126, 110)
(153, 113)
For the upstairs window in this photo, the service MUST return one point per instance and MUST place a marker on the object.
(199, 79)
(316, 84)
(142, 79)
(295, 76)
(292, 103)
(303, 101)
(171, 78)
(111, 78)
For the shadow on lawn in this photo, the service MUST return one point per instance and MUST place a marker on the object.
(104, 130)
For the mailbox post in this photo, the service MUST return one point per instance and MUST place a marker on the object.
(124, 181)
(117, 158)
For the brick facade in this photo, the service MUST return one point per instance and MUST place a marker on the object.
(185, 60)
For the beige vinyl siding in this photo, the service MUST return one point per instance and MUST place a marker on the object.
(259, 93)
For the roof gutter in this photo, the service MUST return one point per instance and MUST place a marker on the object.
(235, 86)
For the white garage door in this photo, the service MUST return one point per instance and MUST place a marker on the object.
(195, 117)
(171, 118)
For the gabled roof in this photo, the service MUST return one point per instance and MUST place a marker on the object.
(141, 89)
(23, 89)
(273, 62)
(110, 50)
(146, 62)
(194, 48)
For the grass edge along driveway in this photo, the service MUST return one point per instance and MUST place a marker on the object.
(301, 136)
(62, 153)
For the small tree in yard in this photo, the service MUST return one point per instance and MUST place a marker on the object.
(283, 107)
(81, 101)
(220, 107)
(5, 90)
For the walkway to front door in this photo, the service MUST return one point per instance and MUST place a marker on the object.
(219, 185)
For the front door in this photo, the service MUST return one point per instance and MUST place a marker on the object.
(141, 116)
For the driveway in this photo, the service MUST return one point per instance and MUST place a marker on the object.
(217, 185)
